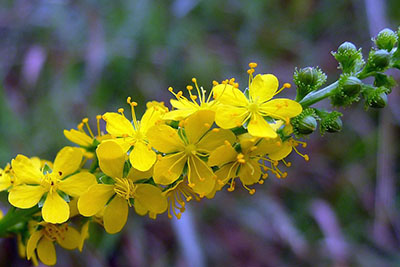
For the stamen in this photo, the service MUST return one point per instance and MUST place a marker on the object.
(285, 85)
(98, 118)
(133, 105)
(251, 191)
(85, 121)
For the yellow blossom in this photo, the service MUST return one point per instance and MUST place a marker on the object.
(86, 139)
(142, 157)
(237, 109)
(187, 146)
(34, 184)
(185, 107)
(119, 196)
(42, 239)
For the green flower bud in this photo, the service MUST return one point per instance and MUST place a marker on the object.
(307, 125)
(330, 121)
(350, 59)
(352, 86)
(347, 47)
(380, 59)
(375, 97)
(386, 39)
(307, 80)
(334, 125)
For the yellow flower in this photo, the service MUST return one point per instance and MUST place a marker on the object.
(87, 141)
(185, 107)
(7, 178)
(63, 179)
(244, 164)
(188, 145)
(118, 197)
(142, 157)
(237, 109)
(43, 237)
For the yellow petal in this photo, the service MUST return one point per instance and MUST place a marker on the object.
(124, 142)
(250, 172)
(93, 200)
(78, 137)
(222, 155)
(263, 87)
(178, 114)
(67, 160)
(183, 104)
(267, 146)
(46, 252)
(118, 125)
(151, 198)
(142, 157)
(198, 124)
(200, 176)
(71, 240)
(165, 139)
(229, 95)
(25, 170)
(111, 158)
(169, 168)
(259, 127)
(55, 209)
(140, 209)
(115, 215)
(150, 118)
(25, 196)
(32, 243)
(228, 117)
(214, 139)
(136, 175)
(77, 184)
(284, 150)
(281, 108)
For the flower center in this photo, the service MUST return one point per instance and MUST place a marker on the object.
(253, 107)
(190, 149)
(55, 232)
(125, 188)
(50, 181)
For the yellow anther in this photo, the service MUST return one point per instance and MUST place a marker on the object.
(306, 157)
(250, 71)
(207, 125)
(215, 130)
(194, 80)
(121, 110)
(193, 97)
(253, 65)
(85, 120)
(240, 156)
(220, 182)
(261, 182)
(287, 85)
(170, 89)
(284, 175)
(265, 176)
(253, 148)
(98, 117)
(241, 161)
(225, 82)
(252, 191)
(236, 85)
(179, 94)
(80, 126)
(191, 184)
(227, 143)
(189, 87)
(215, 83)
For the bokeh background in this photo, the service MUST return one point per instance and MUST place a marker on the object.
(62, 60)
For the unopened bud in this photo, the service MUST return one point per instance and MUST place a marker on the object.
(350, 59)
(380, 59)
(351, 86)
(347, 47)
(307, 125)
(386, 39)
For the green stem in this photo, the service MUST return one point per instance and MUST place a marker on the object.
(15, 216)
(317, 96)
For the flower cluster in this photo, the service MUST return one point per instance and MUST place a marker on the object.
(154, 164)
(208, 141)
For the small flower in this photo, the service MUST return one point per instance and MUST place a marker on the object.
(185, 107)
(186, 147)
(237, 109)
(119, 196)
(34, 184)
(42, 239)
(142, 157)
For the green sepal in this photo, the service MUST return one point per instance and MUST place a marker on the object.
(63, 196)
(330, 121)
(307, 80)
(347, 91)
(350, 59)
(42, 200)
(305, 123)
(47, 169)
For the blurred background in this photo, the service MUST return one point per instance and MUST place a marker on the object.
(62, 60)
